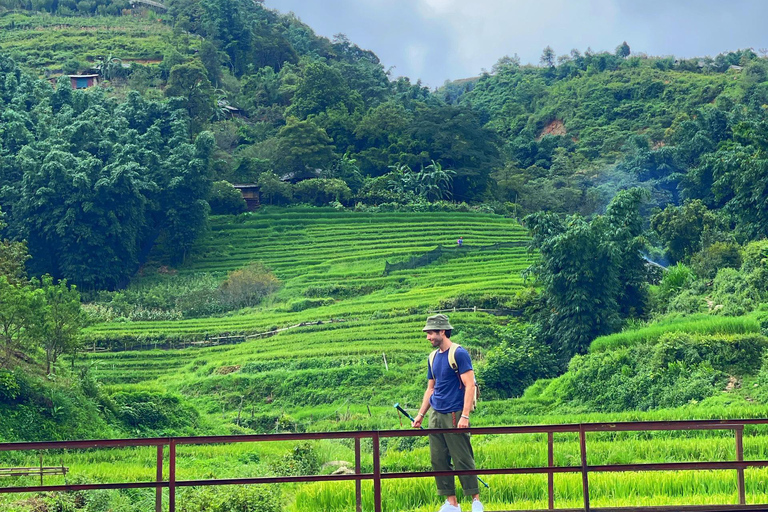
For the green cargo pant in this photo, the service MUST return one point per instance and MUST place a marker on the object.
(444, 448)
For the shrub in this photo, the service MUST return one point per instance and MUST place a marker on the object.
(716, 256)
(321, 191)
(674, 281)
(515, 364)
(248, 286)
(249, 498)
(154, 412)
(225, 199)
(9, 387)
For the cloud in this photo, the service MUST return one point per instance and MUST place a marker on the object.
(437, 40)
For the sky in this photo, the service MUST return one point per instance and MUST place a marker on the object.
(439, 40)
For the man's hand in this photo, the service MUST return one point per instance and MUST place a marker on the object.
(417, 421)
(463, 423)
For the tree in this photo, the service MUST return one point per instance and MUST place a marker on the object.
(19, 304)
(190, 82)
(273, 188)
(304, 149)
(434, 182)
(59, 321)
(681, 228)
(622, 50)
(225, 199)
(548, 57)
(590, 272)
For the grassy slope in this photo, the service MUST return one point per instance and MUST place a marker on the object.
(325, 377)
(39, 42)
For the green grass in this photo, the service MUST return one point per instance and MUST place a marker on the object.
(332, 376)
(309, 248)
(39, 42)
(695, 324)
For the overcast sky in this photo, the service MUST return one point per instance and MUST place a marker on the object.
(438, 40)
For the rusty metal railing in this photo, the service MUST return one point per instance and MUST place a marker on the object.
(376, 476)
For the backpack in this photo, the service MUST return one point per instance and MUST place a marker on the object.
(455, 367)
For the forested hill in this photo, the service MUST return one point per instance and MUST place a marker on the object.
(229, 91)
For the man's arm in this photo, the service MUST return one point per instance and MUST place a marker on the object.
(468, 379)
(424, 404)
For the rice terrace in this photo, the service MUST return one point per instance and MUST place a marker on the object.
(250, 266)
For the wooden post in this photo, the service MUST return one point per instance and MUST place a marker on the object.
(376, 473)
(740, 458)
(172, 476)
(584, 475)
(159, 490)
(385, 361)
(358, 483)
(551, 474)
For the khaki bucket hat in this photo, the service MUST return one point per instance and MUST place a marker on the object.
(438, 323)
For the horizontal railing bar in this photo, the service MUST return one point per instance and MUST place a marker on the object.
(518, 429)
(82, 487)
(273, 480)
(670, 508)
(92, 443)
(681, 466)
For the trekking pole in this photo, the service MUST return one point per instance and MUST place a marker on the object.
(397, 406)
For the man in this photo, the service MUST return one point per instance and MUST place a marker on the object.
(450, 393)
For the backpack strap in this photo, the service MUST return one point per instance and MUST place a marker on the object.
(451, 361)
(431, 360)
(454, 365)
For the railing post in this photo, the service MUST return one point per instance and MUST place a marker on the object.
(358, 483)
(376, 473)
(159, 489)
(172, 476)
(740, 457)
(584, 474)
(551, 474)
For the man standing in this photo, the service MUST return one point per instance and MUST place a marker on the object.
(451, 394)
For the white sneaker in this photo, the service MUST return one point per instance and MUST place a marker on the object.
(447, 507)
(477, 506)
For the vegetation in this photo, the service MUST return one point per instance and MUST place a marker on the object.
(285, 319)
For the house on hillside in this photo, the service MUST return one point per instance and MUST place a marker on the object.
(83, 81)
(250, 194)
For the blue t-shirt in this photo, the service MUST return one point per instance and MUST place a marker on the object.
(449, 392)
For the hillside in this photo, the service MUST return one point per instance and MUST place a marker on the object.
(198, 317)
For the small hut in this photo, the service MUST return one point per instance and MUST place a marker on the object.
(250, 194)
(83, 81)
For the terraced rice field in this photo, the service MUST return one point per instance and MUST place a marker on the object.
(309, 248)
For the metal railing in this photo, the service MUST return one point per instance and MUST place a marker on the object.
(377, 476)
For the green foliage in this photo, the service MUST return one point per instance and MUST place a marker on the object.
(247, 286)
(251, 498)
(225, 199)
(57, 324)
(677, 369)
(719, 255)
(321, 191)
(682, 227)
(676, 279)
(591, 272)
(150, 413)
(516, 363)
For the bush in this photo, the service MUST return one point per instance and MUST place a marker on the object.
(709, 260)
(248, 286)
(678, 369)
(225, 199)
(155, 413)
(9, 387)
(674, 281)
(515, 364)
(249, 498)
(321, 191)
